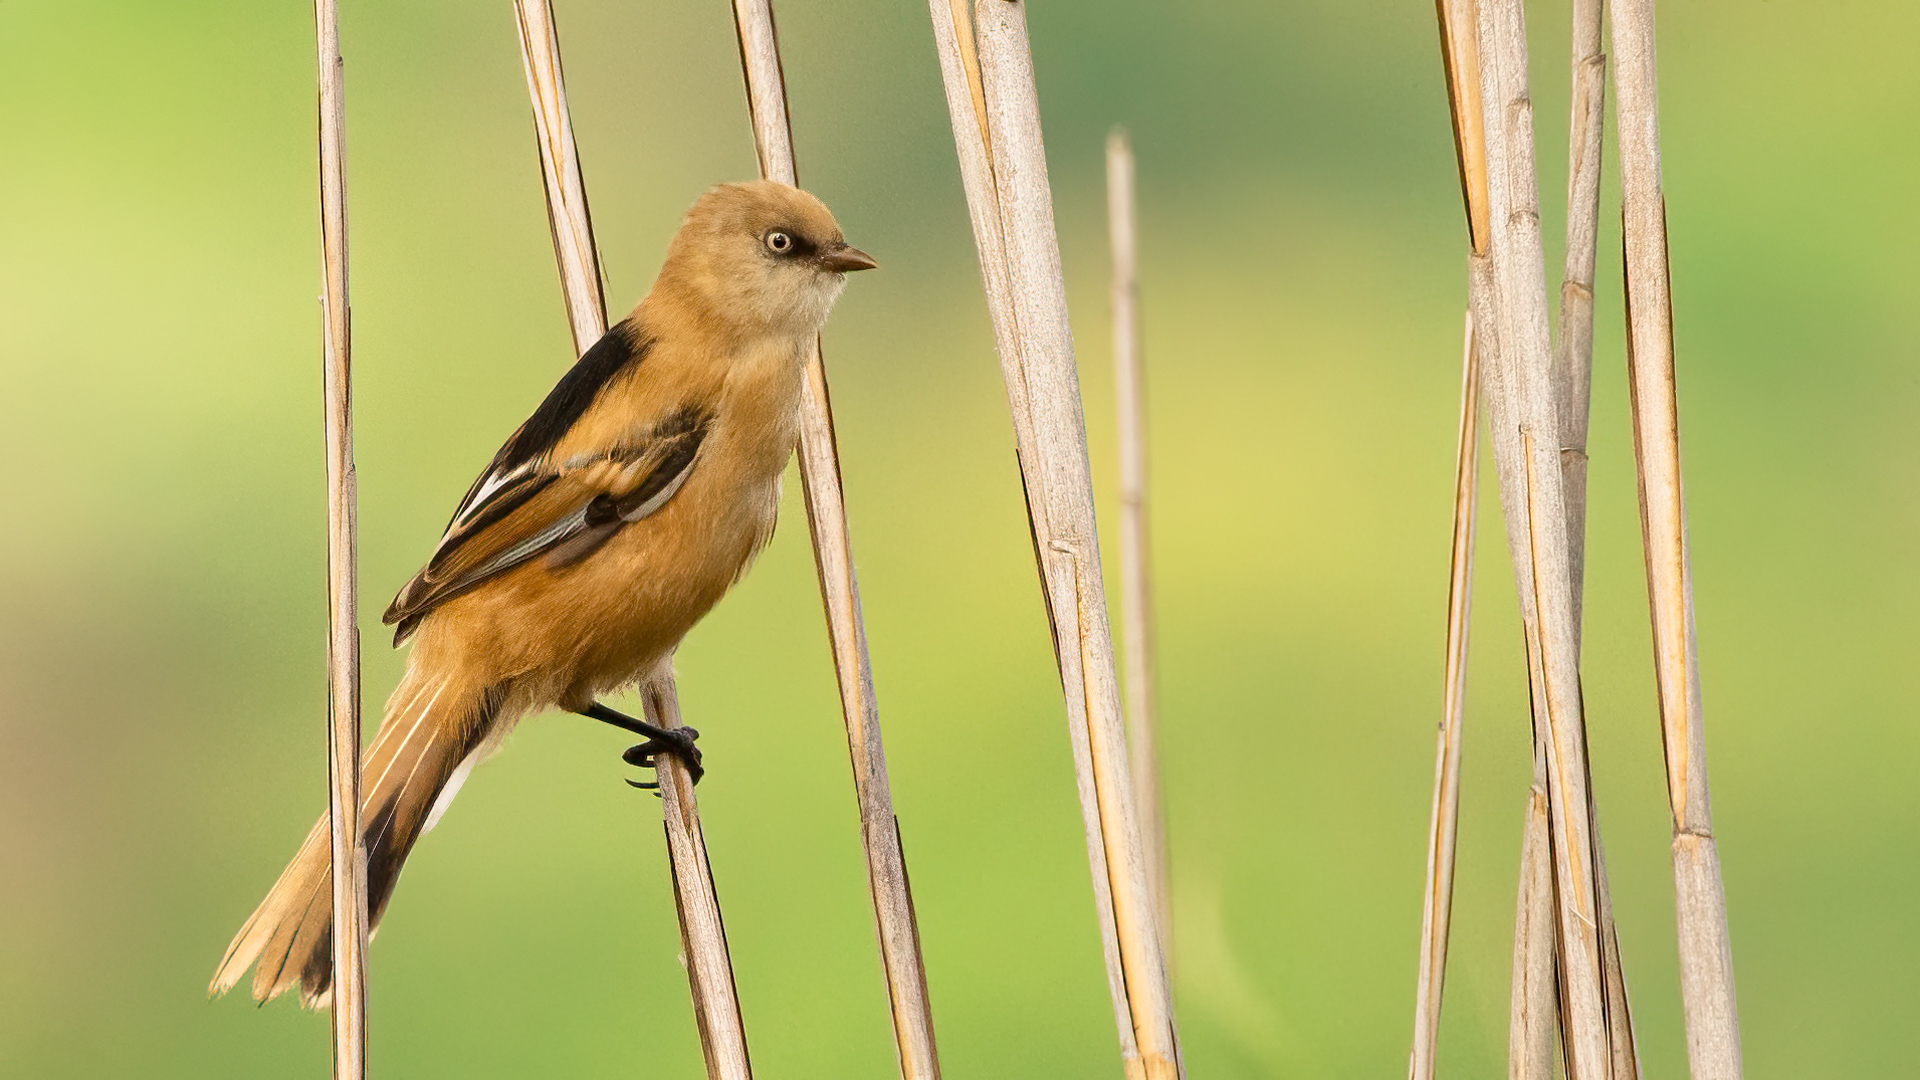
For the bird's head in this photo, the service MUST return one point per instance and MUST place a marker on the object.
(761, 257)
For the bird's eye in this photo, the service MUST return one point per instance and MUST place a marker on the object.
(779, 242)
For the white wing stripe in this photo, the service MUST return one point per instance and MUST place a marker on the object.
(660, 498)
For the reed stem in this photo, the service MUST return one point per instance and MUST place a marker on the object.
(568, 218)
(1437, 899)
(895, 923)
(716, 1005)
(996, 124)
(349, 988)
(1136, 551)
(1534, 1015)
(1573, 350)
(1510, 318)
(703, 933)
(1573, 386)
(1706, 957)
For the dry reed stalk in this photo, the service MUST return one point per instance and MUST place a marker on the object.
(1613, 975)
(996, 124)
(1573, 385)
(1706, 958)
(349, 997)
(1531, 1048)
(568, 218)
(1573, 351)
(716, 1007)
(1437, 900)
(895, 924)
(1534, 1015)
(1136, 561)
(1534, 1007)
(1510, 317)
(703, 935)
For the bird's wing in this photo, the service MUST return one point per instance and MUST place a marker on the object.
(562, 511)
(527, 505)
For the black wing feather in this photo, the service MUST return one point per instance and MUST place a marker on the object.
(619, 348)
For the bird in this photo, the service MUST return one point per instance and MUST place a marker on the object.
(608, 524)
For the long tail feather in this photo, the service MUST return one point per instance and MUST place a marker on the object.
(431, 736)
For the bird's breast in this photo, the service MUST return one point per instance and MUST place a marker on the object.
(759, 407)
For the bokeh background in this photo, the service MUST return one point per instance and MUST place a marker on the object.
(161, 573)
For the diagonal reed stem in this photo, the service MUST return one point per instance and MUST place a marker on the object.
(1510, 316)
(1573, 351)
(574, 251)
(1136, 557)
(1573, 386)
(1706, 957)
(1534, 1015)
(1437, 900)
(716, 1005)
(703, 934)
(996, 125)
(349, 997)
(895, 923)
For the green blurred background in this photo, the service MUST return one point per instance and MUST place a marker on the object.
(162, 593)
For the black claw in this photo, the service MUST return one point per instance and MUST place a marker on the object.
(678, 742)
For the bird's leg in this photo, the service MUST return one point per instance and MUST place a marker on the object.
(676, 741)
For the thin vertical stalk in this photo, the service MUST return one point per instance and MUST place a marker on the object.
(895, 923)
(716, 1005)
(567, 216)
(1626, 1050)
(349, 997)
(1573, 352)
(1510, 317)
(1437, 901)
(1136, 558)
(1534, 1007)
(966, 109)
(996, 123)
(1706, 957)
(1534, 1015)
(703, 934)
(1573, 385)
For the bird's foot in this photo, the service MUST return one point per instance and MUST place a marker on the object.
(676, 741)
(660, 740)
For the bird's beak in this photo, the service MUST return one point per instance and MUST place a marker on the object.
(844, 259)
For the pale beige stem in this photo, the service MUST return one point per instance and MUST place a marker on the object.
(567, 215)
(1573, 352)
(1706, 957)
(1534, 1008)
(1626, 1051)
(1003, 166)
(966, 109)
(1136, 552)
(895, 923)
(716, 1006)
(703, 935)
(766, 86)
(1573, 385)
(1510, 317)
(1437, 900)
(349, 998)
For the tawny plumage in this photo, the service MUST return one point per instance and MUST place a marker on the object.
(610, 522)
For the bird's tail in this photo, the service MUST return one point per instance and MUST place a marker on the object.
(433, 734)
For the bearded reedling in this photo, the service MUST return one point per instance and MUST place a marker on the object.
(613, 520)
